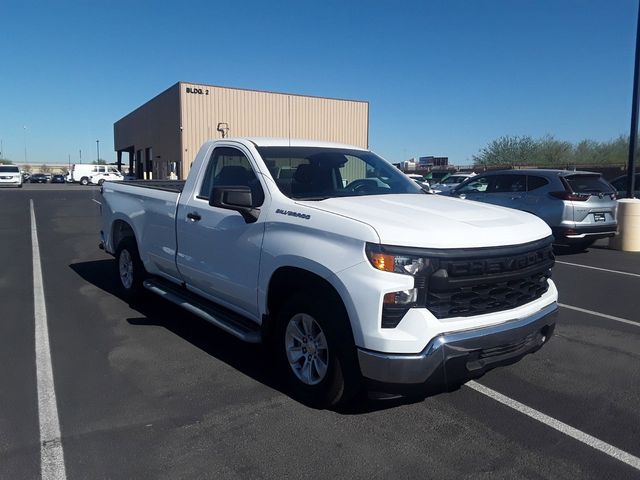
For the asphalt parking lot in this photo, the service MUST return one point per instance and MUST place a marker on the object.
(149, 391)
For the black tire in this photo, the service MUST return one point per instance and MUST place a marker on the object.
(100, 182)
(129, 283)
(84, 181)
(342, 380)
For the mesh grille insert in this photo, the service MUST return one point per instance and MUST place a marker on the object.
(474, 285)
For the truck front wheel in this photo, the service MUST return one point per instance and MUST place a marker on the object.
(129, 268)
(84, 181)
(316, 351)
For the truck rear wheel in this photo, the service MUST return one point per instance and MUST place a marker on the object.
(316, 353)
(129, 268)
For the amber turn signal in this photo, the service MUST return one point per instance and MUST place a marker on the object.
(382, 261)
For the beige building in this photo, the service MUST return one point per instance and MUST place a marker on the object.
(162, 137)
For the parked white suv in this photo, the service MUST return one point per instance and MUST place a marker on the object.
(10, 176)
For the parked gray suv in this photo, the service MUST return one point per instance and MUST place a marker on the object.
(580, 207)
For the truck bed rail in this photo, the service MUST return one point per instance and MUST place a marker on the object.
(167, 185)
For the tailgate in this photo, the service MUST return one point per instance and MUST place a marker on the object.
(600, 206)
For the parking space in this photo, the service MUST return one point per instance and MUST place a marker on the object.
(600, 258)
(149, 391)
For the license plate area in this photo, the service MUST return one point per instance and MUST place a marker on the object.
(599, 217)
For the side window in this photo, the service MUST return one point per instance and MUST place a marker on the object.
(534, 182)
(230, 167)
(508, 184)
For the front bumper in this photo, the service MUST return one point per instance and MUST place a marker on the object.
(451, 359)
(10, 183)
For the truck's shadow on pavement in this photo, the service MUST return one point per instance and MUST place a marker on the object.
(250, 359)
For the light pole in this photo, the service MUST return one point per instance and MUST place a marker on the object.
(633, 135)
(80, 155)
(98, 150)
(25, 143)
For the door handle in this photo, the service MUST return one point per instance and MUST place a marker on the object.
(195, 216)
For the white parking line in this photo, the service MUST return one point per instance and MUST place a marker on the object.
(94, 200)
(558, 425)
(51, 453)
(598, 314)
(598, 268)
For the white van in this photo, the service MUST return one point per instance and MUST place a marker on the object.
(96, 174)
(10, 176)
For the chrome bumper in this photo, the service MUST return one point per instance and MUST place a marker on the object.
(451, 359)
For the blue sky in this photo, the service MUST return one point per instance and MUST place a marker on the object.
(441, 77)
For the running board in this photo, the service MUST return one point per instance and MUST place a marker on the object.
(221, 317)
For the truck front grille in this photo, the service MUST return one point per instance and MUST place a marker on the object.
(488, 280)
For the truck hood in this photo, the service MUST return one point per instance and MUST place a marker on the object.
(433, 221)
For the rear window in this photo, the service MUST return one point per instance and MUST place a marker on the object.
(9, 169)
(588, 184)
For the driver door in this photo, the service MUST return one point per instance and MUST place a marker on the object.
(218, 251)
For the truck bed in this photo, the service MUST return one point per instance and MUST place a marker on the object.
(166, 185)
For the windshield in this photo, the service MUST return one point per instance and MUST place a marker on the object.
(313, 173)
(9, 169)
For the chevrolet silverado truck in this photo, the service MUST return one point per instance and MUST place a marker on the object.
(352, 274)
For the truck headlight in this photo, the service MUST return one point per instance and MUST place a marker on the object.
(383, 258)
(396, 304)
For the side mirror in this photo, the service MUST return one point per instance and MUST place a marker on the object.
(238, 198)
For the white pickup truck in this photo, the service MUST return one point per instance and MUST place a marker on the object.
(330, 254)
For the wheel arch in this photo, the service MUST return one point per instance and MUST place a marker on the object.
(120, 229)
(286, 281)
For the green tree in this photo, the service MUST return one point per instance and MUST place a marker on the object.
(615, 151)
(44, 168)
(507, 151)
(586, 153)
(4, 161)
(100, 161)
(553, 153)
